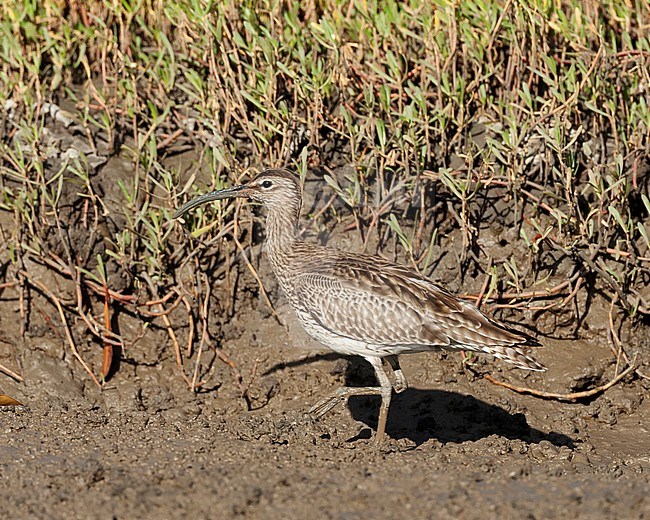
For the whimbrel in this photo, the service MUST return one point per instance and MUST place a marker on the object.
(364, 305)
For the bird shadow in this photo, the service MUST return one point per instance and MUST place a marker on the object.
(422, 415)
(310, 358)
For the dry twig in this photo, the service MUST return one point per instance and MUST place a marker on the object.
(563, 397)
(41, 287)
(11, 373)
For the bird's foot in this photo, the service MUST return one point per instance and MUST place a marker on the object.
(400, 383)
(340, 396)
(399, 379)
(325, 405)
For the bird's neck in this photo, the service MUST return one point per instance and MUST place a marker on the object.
(281, 233)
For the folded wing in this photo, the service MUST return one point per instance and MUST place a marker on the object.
(387, 304)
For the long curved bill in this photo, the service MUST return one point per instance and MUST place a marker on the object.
(237, 191)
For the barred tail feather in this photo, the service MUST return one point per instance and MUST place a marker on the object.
(514, 355)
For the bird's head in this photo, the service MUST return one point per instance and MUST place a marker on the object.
(276, 189)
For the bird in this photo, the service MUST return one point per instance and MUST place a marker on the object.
(364, 305)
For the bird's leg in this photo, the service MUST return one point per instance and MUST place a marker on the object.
(386, 390)
(401, 383)
(342, 395)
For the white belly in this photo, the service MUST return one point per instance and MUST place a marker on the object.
(333, 341)
(350, 346)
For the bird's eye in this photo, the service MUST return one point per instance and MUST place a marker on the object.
(266, 184)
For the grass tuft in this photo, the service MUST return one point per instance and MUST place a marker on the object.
(423, 118)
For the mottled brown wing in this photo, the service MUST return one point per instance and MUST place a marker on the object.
(387, 304)
(363, 315)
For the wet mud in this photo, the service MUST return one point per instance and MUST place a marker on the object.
(458, 446)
